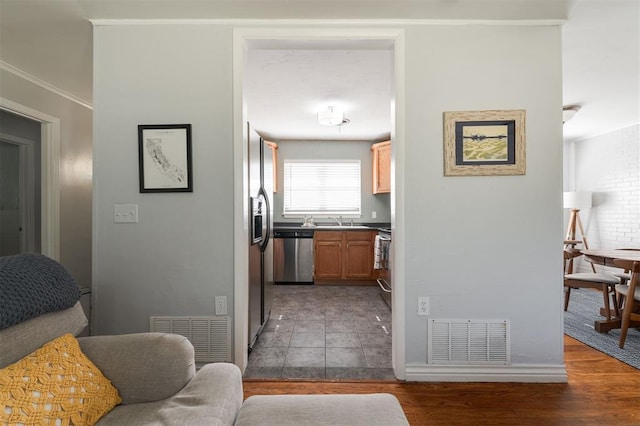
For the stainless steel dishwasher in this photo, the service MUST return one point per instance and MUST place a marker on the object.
(293, 256)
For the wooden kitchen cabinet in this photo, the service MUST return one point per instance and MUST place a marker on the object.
(358, 255)
(381, 167)
(343, 256)
(272, 149)
(327, 253)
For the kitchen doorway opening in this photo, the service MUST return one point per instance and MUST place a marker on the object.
(244, 41)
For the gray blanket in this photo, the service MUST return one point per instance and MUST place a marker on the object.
(31, 285)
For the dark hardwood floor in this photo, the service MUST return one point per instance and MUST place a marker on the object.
(601, 391)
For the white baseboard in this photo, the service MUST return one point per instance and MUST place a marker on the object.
(525, 373)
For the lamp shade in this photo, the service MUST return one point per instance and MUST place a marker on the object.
(577, 200)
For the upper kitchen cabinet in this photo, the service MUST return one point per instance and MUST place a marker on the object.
(381, 167)
(271, 148)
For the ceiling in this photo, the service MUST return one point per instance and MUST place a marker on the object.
(51, 42)
(601, 66)
(355, 79)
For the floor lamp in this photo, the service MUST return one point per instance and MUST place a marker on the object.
(576, 201)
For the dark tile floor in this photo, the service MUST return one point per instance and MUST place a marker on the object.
(316, 332)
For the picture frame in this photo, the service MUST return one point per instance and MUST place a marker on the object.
(484, 143)
(164, 154)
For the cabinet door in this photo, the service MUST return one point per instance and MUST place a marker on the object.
(381, 167)
(271, 149)
(328, 260)
(327, 255)
(358, 259)
(358, 255)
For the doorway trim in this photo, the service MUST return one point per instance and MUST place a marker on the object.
(50, 169)
(241, 36)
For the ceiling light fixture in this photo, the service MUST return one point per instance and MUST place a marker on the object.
(568, 112)
(332, 117)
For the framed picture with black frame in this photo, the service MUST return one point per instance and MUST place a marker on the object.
(484, 143)
(164, 152)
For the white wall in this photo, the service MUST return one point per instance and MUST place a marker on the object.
(75, 168)
(485, 247)
(609, 167)
(179, 255)
(481, 247)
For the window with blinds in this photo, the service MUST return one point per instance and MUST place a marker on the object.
(322, 187)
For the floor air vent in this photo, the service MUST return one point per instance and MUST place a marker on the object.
(210, 336)
(469, 342)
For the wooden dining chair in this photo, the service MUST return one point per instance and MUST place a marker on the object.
(631, 294)
(597, 280)
(626, 274)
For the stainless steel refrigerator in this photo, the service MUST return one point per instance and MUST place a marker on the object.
(261, 234)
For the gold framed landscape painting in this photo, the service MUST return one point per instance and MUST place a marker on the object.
(484, 143)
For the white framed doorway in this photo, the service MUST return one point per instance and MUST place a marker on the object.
(242, 37)
(19, 195)
(49, 172)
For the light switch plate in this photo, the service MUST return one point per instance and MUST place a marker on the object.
(125, 213)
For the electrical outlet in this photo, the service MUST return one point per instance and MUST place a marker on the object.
(373, 215)
(423, 305)
(221, 305)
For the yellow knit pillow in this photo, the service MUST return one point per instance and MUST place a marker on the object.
(55, 385)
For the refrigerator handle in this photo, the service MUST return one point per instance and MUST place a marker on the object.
(267, 202)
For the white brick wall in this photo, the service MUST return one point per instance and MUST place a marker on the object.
(609, 167)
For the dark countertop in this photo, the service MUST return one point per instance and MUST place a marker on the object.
(324, 226)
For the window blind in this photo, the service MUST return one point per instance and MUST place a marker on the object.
(322, 187)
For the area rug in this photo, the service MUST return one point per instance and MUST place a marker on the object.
(584, 308)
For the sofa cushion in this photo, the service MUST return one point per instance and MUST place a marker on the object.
(21, 339)
(212, 398)
(322, 410)
(145, 367)
(56, 384)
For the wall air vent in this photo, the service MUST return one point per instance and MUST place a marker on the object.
(210, 336)
(469, 342)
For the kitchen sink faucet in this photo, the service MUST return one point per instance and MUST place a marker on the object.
(337, 219)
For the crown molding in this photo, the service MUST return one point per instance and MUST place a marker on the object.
(47, 86)
(299, 21)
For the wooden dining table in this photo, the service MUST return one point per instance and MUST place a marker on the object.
(606, 257)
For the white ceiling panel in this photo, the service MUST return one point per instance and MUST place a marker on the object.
(285, 89)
